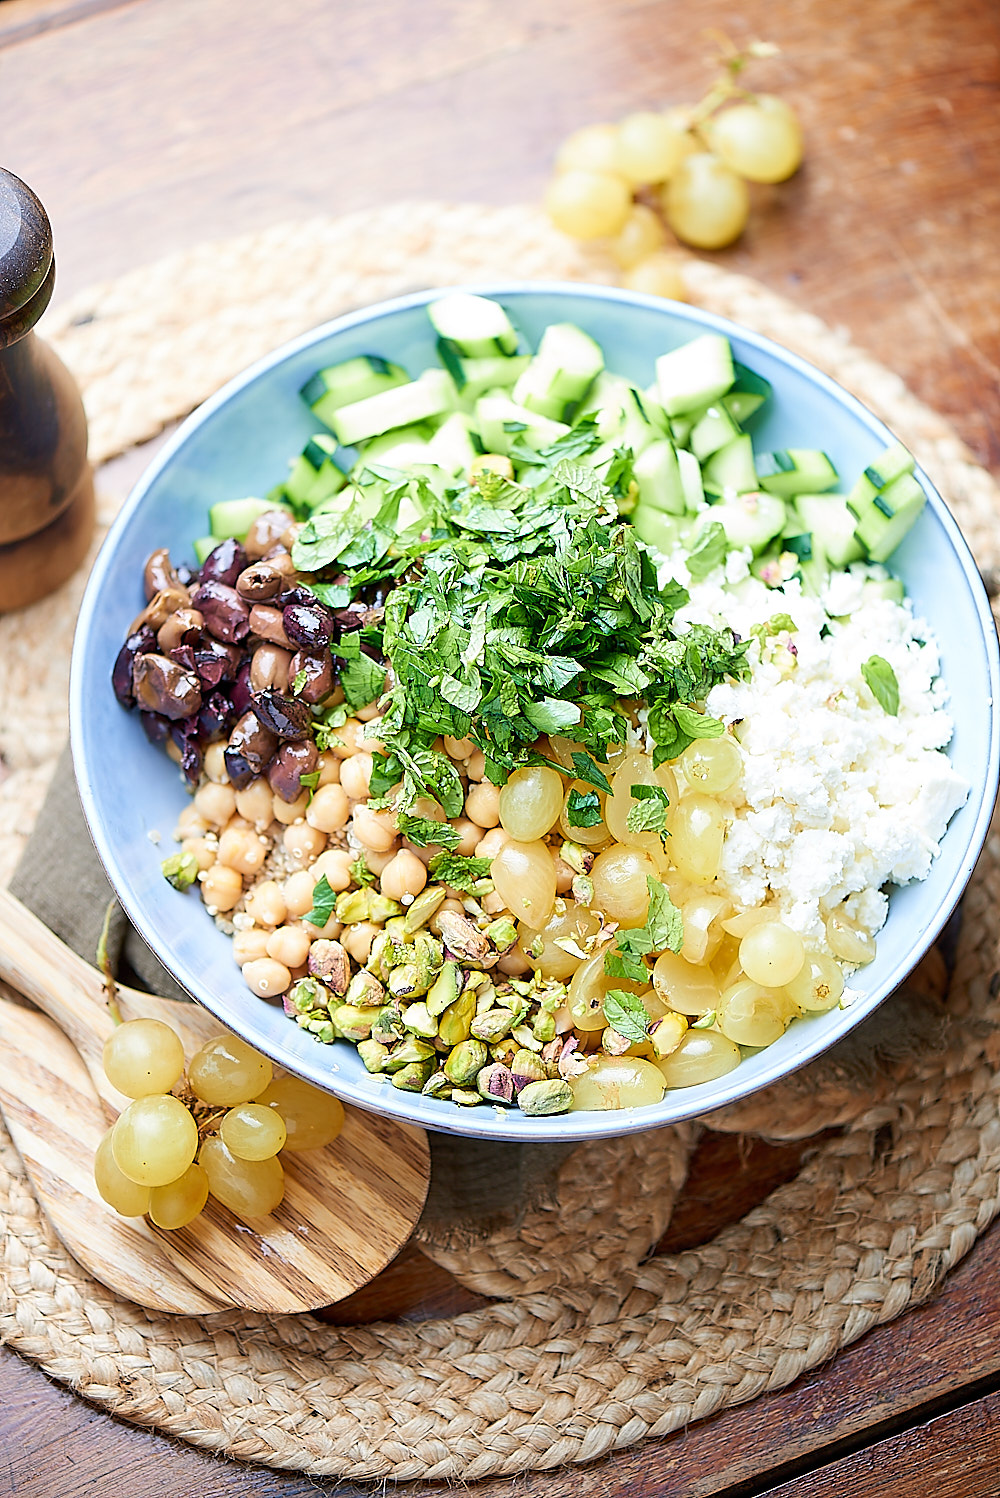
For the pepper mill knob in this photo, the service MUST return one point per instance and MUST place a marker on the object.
(46, 487)
(27, 267)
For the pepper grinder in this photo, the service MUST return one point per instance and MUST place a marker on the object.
(46, 486)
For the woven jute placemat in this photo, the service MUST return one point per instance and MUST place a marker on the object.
(591, 1345)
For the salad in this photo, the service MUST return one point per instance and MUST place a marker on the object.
(548, 742)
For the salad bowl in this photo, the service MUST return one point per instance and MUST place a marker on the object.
(239, 444)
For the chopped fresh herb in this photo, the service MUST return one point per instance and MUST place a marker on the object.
(620, 965)
(180, 870)
(588, 771)
(649, 814)
(583, 809)
(424, 832)
(881, 678)
(708, 552)
(324, 902)
(458, 871)
(776, 625)
(301, 677)
(362, 679)
(626, 1013)
(664, 929)
(361, 874)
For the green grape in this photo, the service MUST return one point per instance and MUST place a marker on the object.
(127, 1197)
(658, 274)
(252, 1131)
(651, 147)
(588, 205)
(226, 1071)
(818, 985)
(154, 1140)
(179, 1202)
(143, 1056)
(312, 1118)
(760, 140)
(250, 1188)
(594, 148)
(705, 202)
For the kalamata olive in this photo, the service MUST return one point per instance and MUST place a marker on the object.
(313, 674)
(267, 624)
(227, 617)
(242, 692)
(224, 564)
(251, 747)
(281, 561)
(216, 661)
(179, 629)
(353, 616)
(265, 532)
(295, 593)
(183, 655)
(215, 718)
(159, 608)
(155, 727)
(159, 573)
(284, 716)
(162, 686)
(269, 668)
(292, 761)
(259, 582)
(186, 736)
(291, 534)
(310, 625)
(138, 643)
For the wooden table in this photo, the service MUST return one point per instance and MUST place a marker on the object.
(148, 126)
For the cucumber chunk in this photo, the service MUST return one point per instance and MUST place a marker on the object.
(478, 327)
(433, 394)
(800, 470)
(831, 524)
(563, 370)
(695, 374)
(501, 421)
(656, 528)
(496, 372)
(712, 431)
(657, 472)
(886, 519)
(353, 380)
(893, 463)
(748, 519)
(694, 492)
(731, 469)
(451, 446)
(232, 518)
(203, 548)
(315, 474)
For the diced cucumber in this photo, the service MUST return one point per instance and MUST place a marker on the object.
(433, 394)
(695, 374)
(606, 394)
(885, 520)
(799, 470)
(731, 469)
(712, 431)
(832, 524)
(893, 463)
(451, 446)
(624, 421)
(315, 474)
(884, 587)
(656, 528)
(492, 373)
(694, 493)
(203, 548)
(657, 473)
(741, 404)
(400, 448)
(234, 517)
(496, 413)
(563, 370)
(477, 326)
(748, 519)
(345, 384)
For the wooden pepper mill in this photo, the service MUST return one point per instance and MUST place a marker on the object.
(46, 486)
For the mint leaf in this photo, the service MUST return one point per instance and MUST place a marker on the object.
(324, 900)
(649, 813)
(361, 873)
(551, 715)
(664, 921)
(588, 771)
(458, 871)
(698, 725)
(881, 678)
(424, 832)
(301, 677)
(626, 1013)
(583, 809)
(708, 552)
(622, 965)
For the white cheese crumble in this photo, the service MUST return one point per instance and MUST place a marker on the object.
(837, 797)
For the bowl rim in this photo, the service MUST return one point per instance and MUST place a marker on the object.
(486, 1122)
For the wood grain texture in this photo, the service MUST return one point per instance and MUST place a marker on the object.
(346, 1211)
(160, 124)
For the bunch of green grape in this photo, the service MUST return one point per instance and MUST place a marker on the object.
(690, 166)
(222, 1136)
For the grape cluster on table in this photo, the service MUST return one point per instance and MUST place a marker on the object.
(219, 1132)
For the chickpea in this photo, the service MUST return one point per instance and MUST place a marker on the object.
(298, 892)
(255, 802)
(190, 823)
(404, 876)
(469, 835)
(357, 940)
(205, 850)
(459, 748)
(368, 714)
(355, 774)
(476, 765)
(335, 866)
(455, 906)
(267, 904)
(564, 877)
(221, 887)
(514, 963)
(490, 845)
(215, 763)
(288, 812)
(348, 739)
(266, 978)
(249, 946)
(374, 829)
(330, 932)
(376, 862)
(482, 804)
(242, 849)
(304, 843)
(289, 944)
(216, 803)
(329, 769)
(329, 809)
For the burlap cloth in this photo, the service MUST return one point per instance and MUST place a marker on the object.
(591, 1344)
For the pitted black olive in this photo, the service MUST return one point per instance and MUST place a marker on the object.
(226, 615)
(224, 564)
(162, 686)
(285, 716)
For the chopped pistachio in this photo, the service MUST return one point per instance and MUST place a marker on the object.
(374, 1055)
(666, 1034)
(418, 1019)
(583, 889)
(424, 907)
(407, 1051)
(527, 1067)
(543, 1026)
(525, 1038)
(180, 870)
(365, 990)
(455, 1024)
(485, 998)
(352, 906)
(462, 938)
(437, 1085)
(330, 963)
(495, 1083)
(307, 995)
(352, 1023)
(388, 1025)
(466, 1059)
(381, 908)
(493, 1025)
(613, 1043)
(580, 859)
(396, 927)
(502, 933)
(445, 989)
(550, 1096)
(322, 1029)
(413, 1076)
(465, 1097)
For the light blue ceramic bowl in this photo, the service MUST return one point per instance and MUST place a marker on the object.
(239, 443)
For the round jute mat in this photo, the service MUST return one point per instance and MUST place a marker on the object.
(591, 1345)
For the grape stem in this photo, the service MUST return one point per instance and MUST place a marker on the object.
(104, 964)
